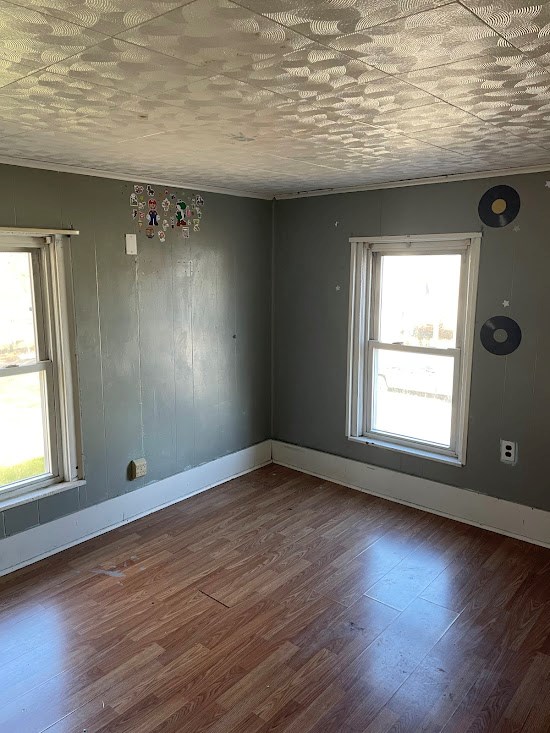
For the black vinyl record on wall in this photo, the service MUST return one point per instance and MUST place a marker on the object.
(499, 206)
(500, 335)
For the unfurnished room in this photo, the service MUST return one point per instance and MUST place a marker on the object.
(274, 366)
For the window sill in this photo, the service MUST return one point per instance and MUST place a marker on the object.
(9, 502)
(408, 450)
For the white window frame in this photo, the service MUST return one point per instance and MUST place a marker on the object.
(53, 302)
(364, 319)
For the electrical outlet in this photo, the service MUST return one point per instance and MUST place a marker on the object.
(509, 452)
(138, 468)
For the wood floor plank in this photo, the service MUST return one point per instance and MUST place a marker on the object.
(275, 603)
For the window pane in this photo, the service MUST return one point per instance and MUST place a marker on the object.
(412, 395)
(17, 333)
(23, 427)
(419, 299)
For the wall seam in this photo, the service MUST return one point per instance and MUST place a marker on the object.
(138, 303)
(107, 480)
(272, 319)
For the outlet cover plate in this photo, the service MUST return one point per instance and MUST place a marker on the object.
(509, 452)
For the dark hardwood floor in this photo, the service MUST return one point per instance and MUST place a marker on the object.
(280, 602)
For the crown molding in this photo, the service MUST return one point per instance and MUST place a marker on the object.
(98, 173)
(450, 178)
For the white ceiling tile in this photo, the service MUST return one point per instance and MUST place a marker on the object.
(106, 16)
(38, 39)
(217, 34)
(430, 38)
(13, 70)
(526, 25)
(134, 69)
(508, 88)
(381, 95)
(325, 20)
(310, 72)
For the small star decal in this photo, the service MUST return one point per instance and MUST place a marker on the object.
(337, 287)
(547, 184)
(506, 303)
(516, 228)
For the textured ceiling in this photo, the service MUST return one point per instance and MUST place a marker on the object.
(276, 96)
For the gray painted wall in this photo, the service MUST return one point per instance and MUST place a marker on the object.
(160, 372)
(510, 396)
(162, 376)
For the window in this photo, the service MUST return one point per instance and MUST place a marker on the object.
(412, 307)
(38, 446)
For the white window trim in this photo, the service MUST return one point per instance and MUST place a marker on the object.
(57, 298)
(361, 345)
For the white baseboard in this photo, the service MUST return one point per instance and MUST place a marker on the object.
(497, 515)
(480, 510)
(48, 539)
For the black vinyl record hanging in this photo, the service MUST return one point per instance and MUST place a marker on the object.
(500, 335)
(499, 206)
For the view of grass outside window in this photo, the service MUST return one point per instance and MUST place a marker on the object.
(23, 411)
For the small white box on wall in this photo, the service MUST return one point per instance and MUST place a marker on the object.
(131, 244)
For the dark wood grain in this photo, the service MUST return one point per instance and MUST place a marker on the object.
(280, 602)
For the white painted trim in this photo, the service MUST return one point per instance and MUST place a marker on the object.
(40, 491)
(451, 178)
(23, 232)
(48, 539)
(441, 456)
(463, 505)
(96, 173)
(403, 242)
(363, 335)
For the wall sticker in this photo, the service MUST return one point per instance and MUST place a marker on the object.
(173, 209)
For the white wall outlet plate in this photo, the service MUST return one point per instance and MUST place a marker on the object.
(509, 452)
(138, 468)
(131, 244)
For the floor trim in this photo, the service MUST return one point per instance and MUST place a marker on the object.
(48, 539)
(463, 505)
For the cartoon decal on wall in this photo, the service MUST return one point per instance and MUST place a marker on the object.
(181, 207)
(179, 211)
(499, 206)
(500, 335)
